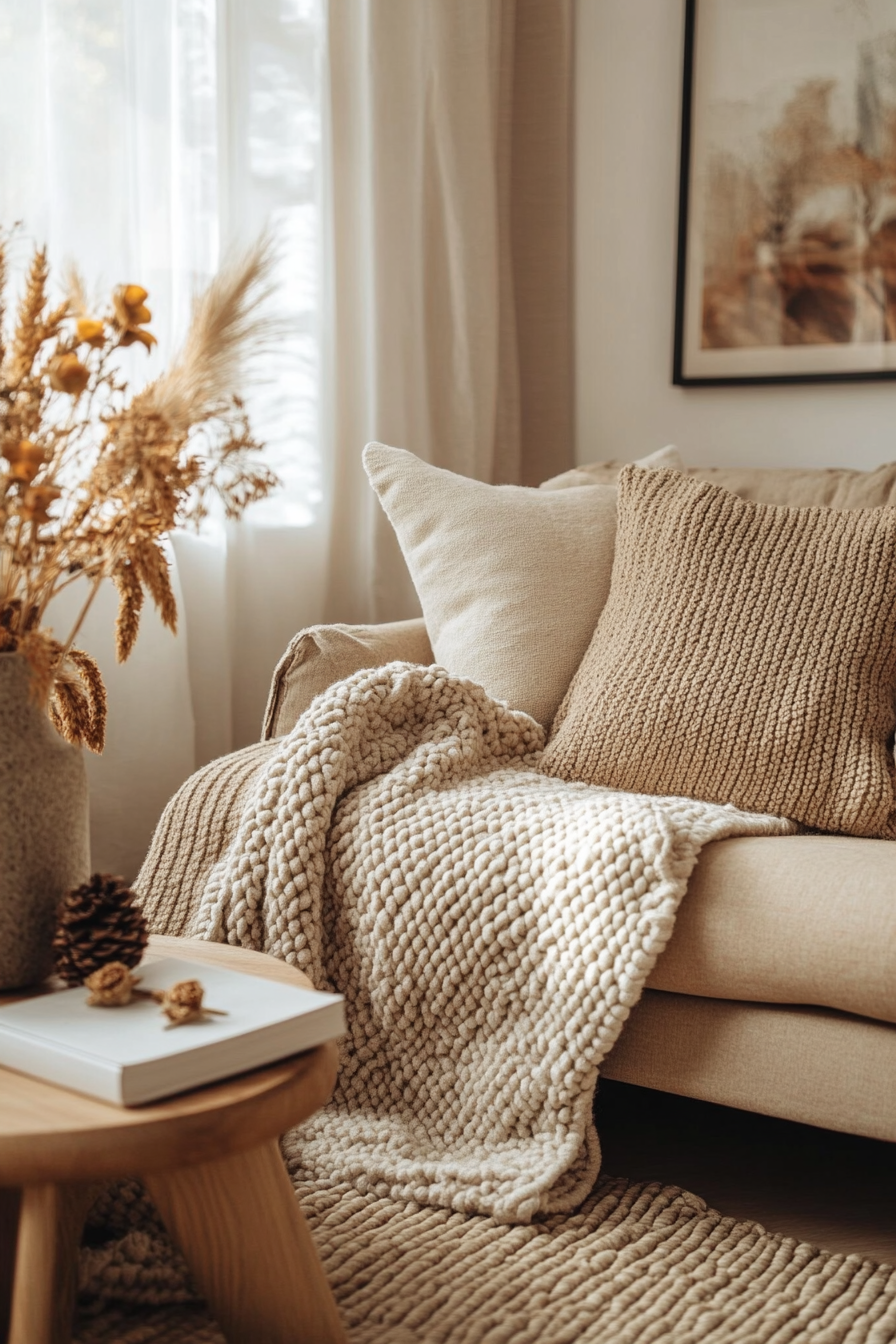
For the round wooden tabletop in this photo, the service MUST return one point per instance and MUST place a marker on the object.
(49, 1133)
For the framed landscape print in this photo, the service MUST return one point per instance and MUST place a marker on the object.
(787, 211)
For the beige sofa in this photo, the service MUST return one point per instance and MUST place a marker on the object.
(777, 992)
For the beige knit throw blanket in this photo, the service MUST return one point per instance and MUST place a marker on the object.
(490, 928)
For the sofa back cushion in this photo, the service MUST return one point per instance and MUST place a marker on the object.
(835, 488)
(745, 655)
(321, 655)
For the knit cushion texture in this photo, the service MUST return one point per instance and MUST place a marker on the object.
(746, 654)
(511, 580)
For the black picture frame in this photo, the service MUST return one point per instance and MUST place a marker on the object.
(786, 264)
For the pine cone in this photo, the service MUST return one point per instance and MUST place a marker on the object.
(97, 923)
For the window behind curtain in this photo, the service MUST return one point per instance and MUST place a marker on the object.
(142, 137)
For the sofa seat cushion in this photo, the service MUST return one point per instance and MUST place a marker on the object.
(812, 1065)
(807, 919)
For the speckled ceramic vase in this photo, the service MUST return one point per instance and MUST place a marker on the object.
(44, 827)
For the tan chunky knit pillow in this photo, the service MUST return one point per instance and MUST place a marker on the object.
(746, 654)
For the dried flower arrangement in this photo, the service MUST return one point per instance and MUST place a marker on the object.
(92, 478)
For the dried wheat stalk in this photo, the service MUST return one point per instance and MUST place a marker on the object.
(92, 480)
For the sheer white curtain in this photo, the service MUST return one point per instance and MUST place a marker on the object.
(449, 308)
(141, 138)
(411, 158)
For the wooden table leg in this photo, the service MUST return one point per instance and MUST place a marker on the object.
(9, 1232)
(51, 1220)
(239, 1225)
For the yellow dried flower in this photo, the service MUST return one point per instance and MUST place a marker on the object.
(91, 331)
(25, 460)
(35, 502)
(68, 374)
(129, 302)
(133, 295)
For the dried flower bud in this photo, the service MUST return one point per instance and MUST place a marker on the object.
(25, 459)
(129, 302)
(68, 374)
(112, 986)
(182, 1003)
(133, 295)
(35, 502)
(91, 331)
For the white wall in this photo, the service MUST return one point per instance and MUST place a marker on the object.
(628, 90)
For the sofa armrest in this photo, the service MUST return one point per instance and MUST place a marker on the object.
(324, 654)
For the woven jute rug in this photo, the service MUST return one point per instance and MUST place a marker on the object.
(636, 1264)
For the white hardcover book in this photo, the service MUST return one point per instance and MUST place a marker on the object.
(126, 1054)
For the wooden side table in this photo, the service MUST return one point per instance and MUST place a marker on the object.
(211, 1162)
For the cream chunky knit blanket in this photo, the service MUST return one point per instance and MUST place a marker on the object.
(491, 928)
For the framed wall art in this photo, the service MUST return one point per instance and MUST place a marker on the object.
(787, 210)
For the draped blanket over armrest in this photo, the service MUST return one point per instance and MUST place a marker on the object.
(491, 930)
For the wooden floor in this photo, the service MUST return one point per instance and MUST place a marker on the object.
(834, 1190)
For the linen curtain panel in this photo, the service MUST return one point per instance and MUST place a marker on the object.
(411, 160)
(450, 313)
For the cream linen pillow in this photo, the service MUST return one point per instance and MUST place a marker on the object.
(511, 580)
(745, 655)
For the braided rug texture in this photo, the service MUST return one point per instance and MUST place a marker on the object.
(490, 929)
(635, 1264)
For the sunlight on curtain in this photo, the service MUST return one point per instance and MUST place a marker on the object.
(142, 139)
(411, 157)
